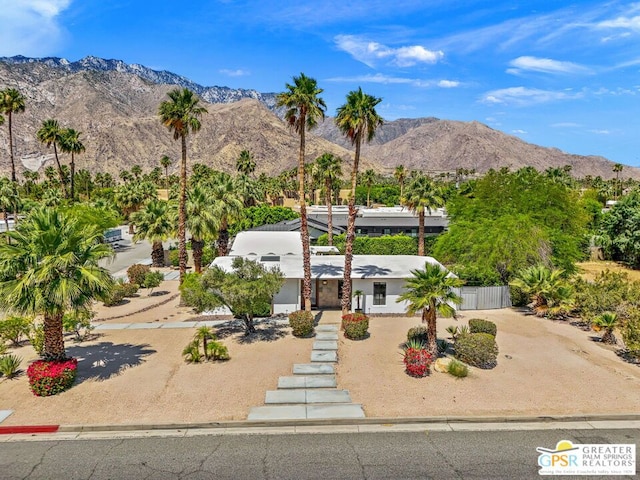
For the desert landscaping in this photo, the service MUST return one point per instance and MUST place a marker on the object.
(138, 376)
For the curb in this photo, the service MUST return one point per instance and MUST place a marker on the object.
(29, 429)
(345, 422)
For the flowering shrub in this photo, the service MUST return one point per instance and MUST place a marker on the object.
(417, 360)
(302, 323)
(50, 378)
(355, 325)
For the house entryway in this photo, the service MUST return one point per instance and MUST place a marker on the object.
(328, 293)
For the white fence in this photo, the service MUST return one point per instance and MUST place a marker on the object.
(484, 298)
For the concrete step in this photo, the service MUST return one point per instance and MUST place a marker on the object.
(326, 336)
(327, 328)
(325, 345)
(307, 381)
(324, 356)
(313, 369)
(299, 412)
(298, 396)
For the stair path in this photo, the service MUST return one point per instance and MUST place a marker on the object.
(311, 392)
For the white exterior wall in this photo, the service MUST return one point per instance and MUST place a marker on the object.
(395, 288)
(287, 300)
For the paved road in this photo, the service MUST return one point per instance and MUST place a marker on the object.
(438, 455)
(128, 252)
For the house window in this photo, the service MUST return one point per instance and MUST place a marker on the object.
(379, 293)
(386, 231)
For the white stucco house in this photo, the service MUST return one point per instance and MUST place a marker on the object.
(381, 278)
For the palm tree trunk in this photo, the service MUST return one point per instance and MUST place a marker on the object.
(421, 233)
(182, 212)
(329, 212)
(166, 179)
(73, 180)
(13, 163)
(429, 317)
(6, 225)
(157, 254)
(53, 339)
(351, 233)
(368, 192)
(304, 226)
(60, 174)
(197, 246)
(223, 239)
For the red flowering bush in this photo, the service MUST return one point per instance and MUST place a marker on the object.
(355, 325)
(417, 360)
(49, 378)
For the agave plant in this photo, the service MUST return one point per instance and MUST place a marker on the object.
(607, 321)
(10, 365)
(453, 331)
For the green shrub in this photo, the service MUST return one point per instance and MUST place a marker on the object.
(10, 365)
(208, 255)
(478, 325)
(477, 349)
(153, 280)
(263, 310)
(457, 369)
(137, 272)
(129, 289)
(14, 329)
(217, 351)
(631, 334)
(115, 296)
(36, 338)
(355, 325)
(3, 348)
(174, 258)
(418, 333)
(302, 323)
(384, 245)
(191, 352)
(78, 322)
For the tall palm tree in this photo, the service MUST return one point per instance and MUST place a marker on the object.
(70, 143)
(130, 197)
(202, 222)
(358, 120)
(181, 115)
(50, 134)
(227, 207)
(8, 201)
(369, 178)
(165, 161)
(136, 170)
(328, 169)
(245, 164)
(154, 223)
(11, 101)
(422, 195)
(50, 268)
(430, 291)
(400, 174)
(617, 168)
(304, 108)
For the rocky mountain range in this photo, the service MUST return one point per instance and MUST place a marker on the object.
(115, 105)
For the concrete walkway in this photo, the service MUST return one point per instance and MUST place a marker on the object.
(311, 392)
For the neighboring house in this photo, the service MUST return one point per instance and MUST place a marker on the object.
(375, 222)
(316, 228)
(381, 278)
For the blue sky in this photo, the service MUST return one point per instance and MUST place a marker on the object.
(565, 77)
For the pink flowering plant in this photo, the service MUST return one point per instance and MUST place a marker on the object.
(417, 360)
(50, 378)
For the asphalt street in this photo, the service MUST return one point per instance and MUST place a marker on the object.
(415, 455)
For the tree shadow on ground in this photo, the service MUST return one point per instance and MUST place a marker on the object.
(265, 332)
(105, 360)
(159, 293)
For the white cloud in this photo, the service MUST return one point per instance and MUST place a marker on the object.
(234, 73)
(525, 96)
(627, 23)
(389, 80)
(565, 125)
(519, 132)
(370, 53)
(600, 132)
(545, 65)
(30, 27)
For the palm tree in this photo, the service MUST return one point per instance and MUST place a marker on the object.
(422, 194)
(129, 197)
(52, 267)
(154, 223)
(328, 170)
(430, 290)
(70, 143)
(202, 222)
(549, 292)
(11, 101)
(607, 321)
(8, 201)
(227, 207)
(125, 176)
(250, 190)
(84, 179)
(136, 170)
(50, 133)
(368, 178)
(181, 115)
(400, 174)
(304, 108)
(617, 168)
(165, 161)
(245, 164)
(357, 119)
